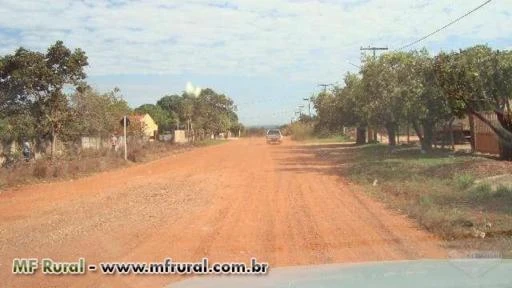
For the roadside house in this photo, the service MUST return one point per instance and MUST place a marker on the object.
(148, 125)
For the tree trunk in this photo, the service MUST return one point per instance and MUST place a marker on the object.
(397, 132)
(428, 137)
(408, 134)
(54, 139)
(360, 135)
(472, 132)
(505, 150)
(450, 129)
(417, 129)
(391, 129)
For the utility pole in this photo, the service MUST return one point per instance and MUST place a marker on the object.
(309, 104)
(300, 109)
(373, 49)
(124, 138)
(325, 86)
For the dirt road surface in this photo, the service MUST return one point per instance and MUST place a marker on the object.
(228, 202)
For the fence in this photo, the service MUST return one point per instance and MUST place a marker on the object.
(486, 141)
(94, 143)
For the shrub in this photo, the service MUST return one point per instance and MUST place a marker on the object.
(426, 200)
(301, 131)
(59, 170)
(41, 169)
(503, 191)
(464, 180)
(136, 154)
(481, 191)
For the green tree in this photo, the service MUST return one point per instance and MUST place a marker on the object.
(172, 104)
(162, 117)
(35, 81)
(428, 107)
(97, 114)
(350, 106)
(386, 91)
(479, 79)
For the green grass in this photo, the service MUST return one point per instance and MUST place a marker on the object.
(209, 142)
(464, 180)
(330, 139)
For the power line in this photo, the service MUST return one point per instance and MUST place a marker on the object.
(445, 26)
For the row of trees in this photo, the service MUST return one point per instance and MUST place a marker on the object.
(205, 114)
(417, 89)
(45, 97)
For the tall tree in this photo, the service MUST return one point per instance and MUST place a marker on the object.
(36, 80)
(427, 106)
(476, 80)
(97, 114)
(388, 87)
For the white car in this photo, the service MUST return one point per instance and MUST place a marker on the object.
(274, 136)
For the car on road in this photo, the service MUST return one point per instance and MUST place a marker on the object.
(274, 136)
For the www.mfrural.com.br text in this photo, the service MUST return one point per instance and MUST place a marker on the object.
(29, 266)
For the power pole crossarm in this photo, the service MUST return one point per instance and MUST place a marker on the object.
(373, 49)
(325, 86)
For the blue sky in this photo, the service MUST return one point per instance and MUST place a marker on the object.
(265, 54)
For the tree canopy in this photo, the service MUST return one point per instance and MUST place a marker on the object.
(415, 88)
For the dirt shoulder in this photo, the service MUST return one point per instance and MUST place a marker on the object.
(228, 202)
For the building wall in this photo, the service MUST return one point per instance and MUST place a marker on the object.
(94, 143)
(150, 127)
(179, 136)
(486, 141)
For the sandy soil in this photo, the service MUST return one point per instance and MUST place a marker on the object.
(228, 202)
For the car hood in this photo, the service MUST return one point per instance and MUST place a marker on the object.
(395, 274)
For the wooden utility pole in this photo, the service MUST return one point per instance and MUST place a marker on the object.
(373, 49)
(309, 104)
(125, 145)
(325, 85)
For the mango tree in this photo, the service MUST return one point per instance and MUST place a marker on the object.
(477, 80)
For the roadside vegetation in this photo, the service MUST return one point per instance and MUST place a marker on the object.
(418, 90)
(90, 161)
(447, 193)
(45, 101)
(329, 139)
(466, 200)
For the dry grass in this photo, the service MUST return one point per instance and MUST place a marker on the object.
(86, 162)
(438, 190)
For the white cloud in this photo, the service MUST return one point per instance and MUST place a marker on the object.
(298, 39)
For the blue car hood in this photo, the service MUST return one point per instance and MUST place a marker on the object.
(395, 274)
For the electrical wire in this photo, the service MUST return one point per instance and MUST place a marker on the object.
(445, 26)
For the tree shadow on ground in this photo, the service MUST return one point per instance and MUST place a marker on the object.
(339, 159)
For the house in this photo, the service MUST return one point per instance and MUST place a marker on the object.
(147, 124)
(460, 128)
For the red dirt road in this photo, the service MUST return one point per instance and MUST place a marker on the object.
(228, 202)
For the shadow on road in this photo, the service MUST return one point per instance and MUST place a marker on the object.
(338, 159)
